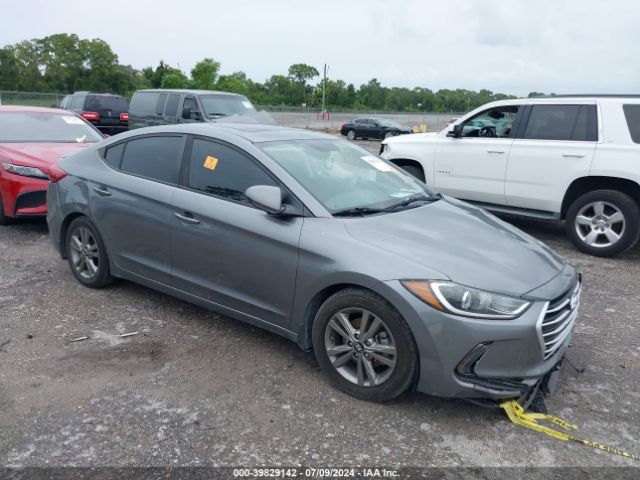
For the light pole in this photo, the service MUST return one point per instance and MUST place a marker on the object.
(324, 84)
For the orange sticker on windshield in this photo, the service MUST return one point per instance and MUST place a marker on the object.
(211, 163)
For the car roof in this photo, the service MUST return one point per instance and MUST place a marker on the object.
(24, 108)
(189, 91)
(252, 132)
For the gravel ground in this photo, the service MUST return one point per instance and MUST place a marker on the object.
(197, 388)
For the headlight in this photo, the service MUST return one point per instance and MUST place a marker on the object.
(466, 301)
(25, 171)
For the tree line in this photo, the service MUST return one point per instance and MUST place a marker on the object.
(64, 63)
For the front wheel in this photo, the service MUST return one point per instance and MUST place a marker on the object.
(389, 135)
(351, 134)
(364, 345)
(87, 255)
(603, 222)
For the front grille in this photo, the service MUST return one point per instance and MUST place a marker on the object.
(557, 319)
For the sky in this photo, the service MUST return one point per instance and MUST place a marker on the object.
(508, 46)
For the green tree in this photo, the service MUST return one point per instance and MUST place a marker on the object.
(204, 74)
(300, 73)
(174, 79)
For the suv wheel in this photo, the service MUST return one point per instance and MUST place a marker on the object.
(364, 345)
(603, 223)
(86, 253)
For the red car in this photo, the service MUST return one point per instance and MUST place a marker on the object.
(31, 141)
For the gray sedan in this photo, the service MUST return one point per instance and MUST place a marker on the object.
(392, 285)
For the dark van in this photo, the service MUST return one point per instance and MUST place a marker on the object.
(105, 111)
(167, 107)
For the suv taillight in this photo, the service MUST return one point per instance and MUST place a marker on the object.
(56, 173)
(124, 117)
(90, 115)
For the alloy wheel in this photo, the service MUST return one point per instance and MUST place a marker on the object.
(360, 347)
(85, 256)
(600, 224)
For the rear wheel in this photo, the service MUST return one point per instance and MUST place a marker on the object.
(603, 223)
(364, 345)
(87, 255)
(351, 134)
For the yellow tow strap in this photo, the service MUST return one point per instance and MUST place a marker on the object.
(517, 415)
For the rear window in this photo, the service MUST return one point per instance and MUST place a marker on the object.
(153, 157)
(32, 127)
(562, 122)
(632, 114)
(143, 103)
(113, 103)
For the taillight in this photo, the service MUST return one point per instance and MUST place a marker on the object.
(56, 173)
(124, 117)
(90, 115)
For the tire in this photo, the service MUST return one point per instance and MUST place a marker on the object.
(4, 220)
(415, 171)
(603, 223)
(389, 135)
(351, 134)
(87, 255)
(386, 337)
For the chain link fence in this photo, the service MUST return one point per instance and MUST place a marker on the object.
(33, 99)
(300, 117)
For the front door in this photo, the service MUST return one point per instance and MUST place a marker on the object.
(473, 166)
(225, 250)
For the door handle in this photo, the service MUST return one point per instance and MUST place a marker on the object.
(496, 151)
(572, 155)
(186, 218)
(102, 191)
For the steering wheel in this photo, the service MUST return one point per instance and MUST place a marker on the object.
(488, 132)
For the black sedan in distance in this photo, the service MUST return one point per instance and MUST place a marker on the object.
(373, 128)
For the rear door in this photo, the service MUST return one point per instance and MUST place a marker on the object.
(556, 146)
(132, 203)
(224, 249)
(473, 167)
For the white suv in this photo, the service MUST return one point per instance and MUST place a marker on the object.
(572, 158)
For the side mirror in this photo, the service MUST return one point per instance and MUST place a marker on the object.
(266, 198)
(196, 116)
(456, 131)
(186, 113)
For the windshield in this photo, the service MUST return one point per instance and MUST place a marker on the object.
(343, 176)
(389, 123)
(225, 105)
(30, 127)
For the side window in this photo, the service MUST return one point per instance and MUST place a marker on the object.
(171, 108)
(77, 102)
(162, 98)
(360, 121)
(632, 115)
(143, 103)
(494, 123)
(191, 103)
(223, 171)
(113, 155)
(562, 122)
(157, 158)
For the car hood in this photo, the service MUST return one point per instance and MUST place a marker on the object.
(466, 244)
(39, 155)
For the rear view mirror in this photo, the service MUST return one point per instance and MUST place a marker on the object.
(456, 131)
(266, 197)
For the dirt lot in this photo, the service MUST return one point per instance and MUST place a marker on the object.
(196, 388)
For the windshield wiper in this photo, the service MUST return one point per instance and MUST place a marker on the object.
(414, 199)
(356, 211)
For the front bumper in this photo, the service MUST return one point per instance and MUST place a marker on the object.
(23, 196)
(483, 359)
